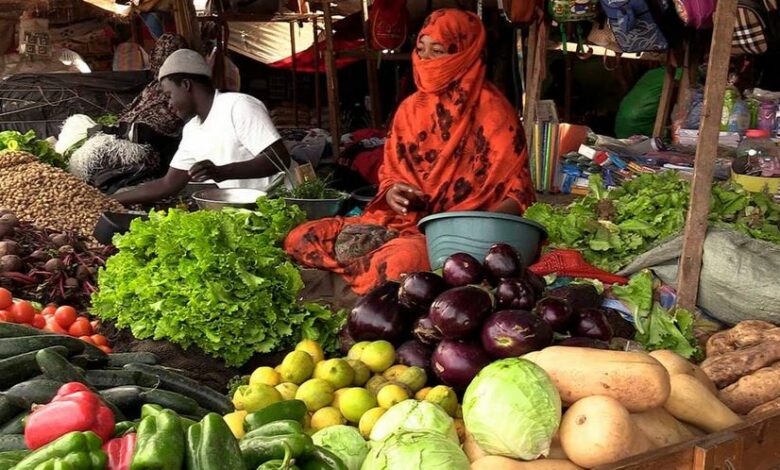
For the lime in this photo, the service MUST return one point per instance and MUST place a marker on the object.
(316, 393)
(390, 395)
(354, 402)
(445, 397)
(337, 372)
(253, 398)
(422, 393)
(313, 348)
(413, 377)
(362, 372)
(369, 419)
(235, 422)
(296, 367)
(326, 417)
(394, 372)
(287, 390)
(357, 349)
(375, 383)
(266, 376)
(378, 356)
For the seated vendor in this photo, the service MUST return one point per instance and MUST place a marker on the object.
(455, 145)
(229, 138)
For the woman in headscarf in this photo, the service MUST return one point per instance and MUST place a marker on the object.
(455, 145)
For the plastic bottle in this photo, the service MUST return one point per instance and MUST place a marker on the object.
(763, 155)
(767, 116)
(729, 98)
(739, 120)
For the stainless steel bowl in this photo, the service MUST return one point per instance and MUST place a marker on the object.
(217, 199)
(318, 208)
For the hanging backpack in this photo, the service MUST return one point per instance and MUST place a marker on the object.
(388, 24)
(634, 26)
(758, 27)
(573, 11)
(521, 11)
(696, 14)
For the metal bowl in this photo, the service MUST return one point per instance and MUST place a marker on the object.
(318, 208)
(218, 199)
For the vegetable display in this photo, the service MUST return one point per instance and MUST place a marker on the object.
(429, 450)
(215, 280)
(15, 141)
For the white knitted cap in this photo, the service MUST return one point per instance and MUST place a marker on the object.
(184, 61)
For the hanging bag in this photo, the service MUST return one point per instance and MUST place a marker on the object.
(521, 11)
(696, 14)
(758, 27)
(634, 27)
(389, 24)
(573, 11)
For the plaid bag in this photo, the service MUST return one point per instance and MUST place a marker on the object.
(758, 27)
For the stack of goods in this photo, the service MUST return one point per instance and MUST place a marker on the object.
(49, 197)
(285, 116)
(28, 142)
(46, 265)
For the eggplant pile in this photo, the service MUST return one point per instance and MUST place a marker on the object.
(475, 312)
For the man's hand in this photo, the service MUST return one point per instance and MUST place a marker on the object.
(206, 170)
(403, 198)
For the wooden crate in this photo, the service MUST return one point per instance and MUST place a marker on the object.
(753, 445)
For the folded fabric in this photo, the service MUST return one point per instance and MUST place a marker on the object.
(571, 263)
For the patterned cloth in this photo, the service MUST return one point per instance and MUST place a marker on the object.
(151, 107)
(457, 139)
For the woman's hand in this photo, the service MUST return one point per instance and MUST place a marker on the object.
(403, 198)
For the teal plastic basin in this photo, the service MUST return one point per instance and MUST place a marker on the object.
(475, 232)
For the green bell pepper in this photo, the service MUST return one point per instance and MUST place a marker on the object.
(123, 427)
(160, 443)
(293, 410)
(212, 446)
(323, 459)
(151, 409)
(277, 465)
(276, 428)
(259, 449)
(80, 450)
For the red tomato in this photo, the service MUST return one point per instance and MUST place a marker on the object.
(87, 339)
(4, 315)
(106, 349)
(65, 316)
(6, 299)
(80, 327)
(54, 327)
(39, 321)
(49, 310)
(100, 340)
(23, 312)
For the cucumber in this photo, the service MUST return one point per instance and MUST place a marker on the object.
(122, 359)
(15, 425)
(89, 361)
(55, 367)
(15, 330)
(37, 391)
(103, 379)
(127, 398)
(7, 410)
(171, 400)
(206, 397)
(24, 366)
(12, 442)
(10, 347)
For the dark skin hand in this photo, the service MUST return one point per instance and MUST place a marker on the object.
(404, 198)
(172, 183)
(258, 167)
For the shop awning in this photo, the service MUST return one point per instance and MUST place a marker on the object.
(126, 9)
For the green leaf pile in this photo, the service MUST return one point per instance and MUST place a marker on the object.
(612, 228)
(216, 280)
(29, 142)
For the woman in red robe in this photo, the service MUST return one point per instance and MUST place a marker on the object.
(455, 145)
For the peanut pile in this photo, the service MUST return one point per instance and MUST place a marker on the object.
(50, 197)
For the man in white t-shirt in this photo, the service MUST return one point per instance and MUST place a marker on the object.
(229, 138)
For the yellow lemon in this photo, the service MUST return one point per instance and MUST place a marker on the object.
(375, 383)
(357, 349)
(326, 417)
(296, 367)
(413, 377)
(378, 356)
(390, 395)
(368, 420)
(445, 397)
(337, 397)
(422, 393)
(337, 372)
(394, 372)
(362, 372)
(354, 402)
(266, 376)
(315, 393)
(287, 390)
(313, 348)
(253, 398)
(235, 422)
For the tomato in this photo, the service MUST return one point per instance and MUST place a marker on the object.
(80, 327)
(54, 327)
(4, 315)
(106, 349)
(49, 310)
(23, 312)
(6, 299)
(65, 316)
(100, 340)
(87, 339)
(39, 321)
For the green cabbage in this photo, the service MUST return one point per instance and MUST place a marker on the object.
(413, 415)
(416, 450)
(344, 441)
(512, 408)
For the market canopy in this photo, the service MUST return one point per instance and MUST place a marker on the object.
(128, 8)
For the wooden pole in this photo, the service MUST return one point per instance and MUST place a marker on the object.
(317, 98)
(371, 72)
(706, 150)
(537, 45)
(294, 72)
(333, 82)
(665, 102)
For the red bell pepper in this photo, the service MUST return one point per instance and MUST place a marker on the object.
(74, 408)
(120, 452)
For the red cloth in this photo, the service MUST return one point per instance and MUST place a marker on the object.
(571, 263)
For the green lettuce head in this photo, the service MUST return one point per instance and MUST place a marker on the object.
(413, 415)
(344, 441)
(416, 450)
(512, 408)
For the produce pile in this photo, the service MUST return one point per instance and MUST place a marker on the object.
(612, 228)
(15, 141)
(216, 280)
(744, 362)
(47, 265)
(49, 197)
(449, 325)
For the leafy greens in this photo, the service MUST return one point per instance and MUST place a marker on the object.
(216, 280)
(29, 142)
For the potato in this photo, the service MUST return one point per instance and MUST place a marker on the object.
(753, 390)
(598, 430)
(494, 462)
(690, 401)
(725, 369)
(744, 334)
(661, 428)
(635, 379)
(676, 364)
(768, 407)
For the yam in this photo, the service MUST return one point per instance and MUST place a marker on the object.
(744, 334)
(598, 430)
(690, 401)
(661, 428)
(753, 390)
(768, 407)
(676, 364)
(725, 369)
(494, 462)
(635, 379)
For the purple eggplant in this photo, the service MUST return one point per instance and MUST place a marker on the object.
(502, 261)
(537, 282)
(580, 342)
(419, 290)
(460, 311)
(515, 294)
(346, 341)
(512, 333)
(457, 362)
(591, 323)
(555, 312)
(424, 331)
(414, 353)
(462, 269)
(378, 315)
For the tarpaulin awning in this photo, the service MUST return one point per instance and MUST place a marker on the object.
(126, 9)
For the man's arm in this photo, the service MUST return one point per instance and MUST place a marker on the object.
(274, 159)
(170, 184)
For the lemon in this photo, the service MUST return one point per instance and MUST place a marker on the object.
(296, 367)
(444, 397)
(368, 420)
(390, 395)
(315, 393)
(414, 378)
(375, 383)
(287, 390)
(357, 349)
(354, 402)
(337, 372)
(326, 417)
(337, 397)
(266, 376)
(422, 393)
(235, 422)
(394, 372)
(362, 372)
(378, 356)
(253, 398)
(313, 348)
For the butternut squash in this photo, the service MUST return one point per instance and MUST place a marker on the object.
(495, 462)
(661, 428)
(676, 364)
(598, 430)
(690, 401)
(635, 379)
